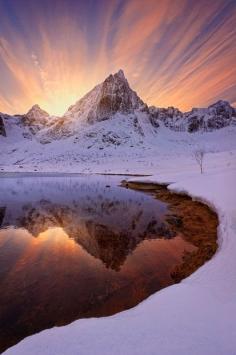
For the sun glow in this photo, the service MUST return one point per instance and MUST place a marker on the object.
(173, 53)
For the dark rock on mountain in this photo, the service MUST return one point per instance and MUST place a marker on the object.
(168, 116)
(112, 96)
(115, 96)
(2, 127)
(222, 115)
(216, 116)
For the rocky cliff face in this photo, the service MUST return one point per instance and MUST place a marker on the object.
(108, 99)
(2, 127)
(170, 116)
(216, 116)
(112, 96)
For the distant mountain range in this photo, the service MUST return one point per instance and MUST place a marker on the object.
(112, 112)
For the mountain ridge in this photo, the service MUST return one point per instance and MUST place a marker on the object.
(115, 98)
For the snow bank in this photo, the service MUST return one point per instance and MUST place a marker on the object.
(195, 317)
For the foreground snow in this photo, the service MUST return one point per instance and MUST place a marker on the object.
(195, 317)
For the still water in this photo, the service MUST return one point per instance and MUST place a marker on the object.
(78, 247)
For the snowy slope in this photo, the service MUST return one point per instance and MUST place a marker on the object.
(111, 147)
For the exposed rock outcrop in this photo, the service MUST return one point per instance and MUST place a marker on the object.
(112, 96)
(216, 116)
(2, 127)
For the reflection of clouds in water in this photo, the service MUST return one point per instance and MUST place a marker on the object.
(108, 223)
(72, 248)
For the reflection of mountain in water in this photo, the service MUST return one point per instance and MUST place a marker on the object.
(107, 223)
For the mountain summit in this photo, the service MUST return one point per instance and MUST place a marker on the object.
(106, 99)
(36, 119)
(36, 114)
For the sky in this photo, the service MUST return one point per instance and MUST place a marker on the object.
(178, 53)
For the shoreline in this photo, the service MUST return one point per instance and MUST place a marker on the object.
(63, 174)
(200, 229)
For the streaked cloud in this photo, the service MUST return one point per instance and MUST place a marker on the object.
(174, 52)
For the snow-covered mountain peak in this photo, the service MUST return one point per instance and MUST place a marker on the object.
(35, 119)
(218, 115)
(112, 96)
(35, 107)
(112, 102)
(36, 113)
(220, 103)
(221, 107)
(120, 74)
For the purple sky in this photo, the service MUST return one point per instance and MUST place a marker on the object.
(173, 52)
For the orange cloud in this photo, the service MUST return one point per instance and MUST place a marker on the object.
(179, 53)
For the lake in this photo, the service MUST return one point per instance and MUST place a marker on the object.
(74, 247)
